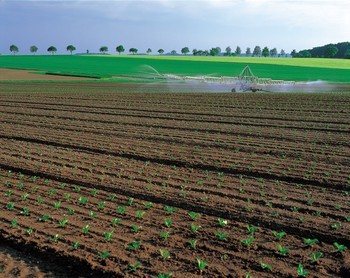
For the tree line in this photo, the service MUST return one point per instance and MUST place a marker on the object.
(215, 51)
(339, 50)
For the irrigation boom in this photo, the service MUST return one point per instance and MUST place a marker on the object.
(246, 81)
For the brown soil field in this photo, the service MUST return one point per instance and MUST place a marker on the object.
(12, 74)
(123, 180)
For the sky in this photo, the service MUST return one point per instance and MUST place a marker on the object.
(172, 24)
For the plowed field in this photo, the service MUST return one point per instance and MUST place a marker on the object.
(119, 181)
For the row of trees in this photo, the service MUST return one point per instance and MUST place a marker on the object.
(215, 51)
(339, 50)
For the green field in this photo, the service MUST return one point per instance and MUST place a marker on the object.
(108, 66)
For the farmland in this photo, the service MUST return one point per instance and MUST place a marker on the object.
(108, 66)
(120, 180)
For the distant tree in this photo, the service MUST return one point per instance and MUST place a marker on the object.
(248, 52)
(120, 49)
(14, 49)
(195, 52)
(33, 49)
(294, 53)
(103, 49)
(228, 51)
(214, 51)
(160, 51)
(218, 50)
(330, 51)
(173, 52)
(283, 53)
(52, 49)
(149, 51)
(185, 50)
(303, 54)
(71, 48)
(133, 50)
(347, 54)
(257, 51)
(238, 51)
(265, 52)
(204, 53)
(273, 52)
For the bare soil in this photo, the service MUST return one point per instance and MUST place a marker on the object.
(120, 171)
(13, 74)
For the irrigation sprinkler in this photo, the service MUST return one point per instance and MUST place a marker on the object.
(246, 81)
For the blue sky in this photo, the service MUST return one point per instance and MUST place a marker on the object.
(172, 24)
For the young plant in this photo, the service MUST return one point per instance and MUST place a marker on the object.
(25, 211)
(195, 228)
(101, 205)
(165, 254)
(315, 257)
(29, 231)
(44, 218)
(340, 247)
(165, 235)
(108, 235)
(71, 211)
(63, 222)
(147, 205)
(14, 223)
(251, 229)
(221, 236)
(85, 229)
(140, 214)
(170, 210)
(164, 275)
(116, 221)
(310, 241)
(201, 265)
(167, 222)
(135, 266)
(194, 215)
(121, 209)
(249, 241)
(76, 245)
(301, 271)
(136, 228)
(57, 205)
(55, 238)
(265, 266)
(222, 222)
(10, 206)
(283, 251)
(92, 214)
(133, 245)
(193, 243)
(103, 255)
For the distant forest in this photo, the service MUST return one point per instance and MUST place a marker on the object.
(339, 50)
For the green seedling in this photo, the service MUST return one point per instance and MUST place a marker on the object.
(140, 214)
(165, 235)
(83, 200)
(24, 196)
(101, 205)
(85, 229)
(103, 255)
(170, 210)
(195, 228)
(193, 243)
(301, 271)
(310, 241)
(55, 238)
(93, 192)
(25, 211)
(67, 196)
(39, 200)
(221, 236)
(283, 251)
(251, 229)
(10, 206)
(130, 201)
(165, 254)
(135, 266)
(315, 257)
(167, 222)
(133, 245)
(249, 241)
(164, 275)
(108, 235)
(29, 231)
(136, 228)
(116, 221)
(71, 211)
(222, 222)
(92, 214)
(14, 223)
(57, 205)
(265, 266)
(340, 247)
(148, 205)
(121, 209)
(44, 218)
(8, 193)
(76, 245)
(201, 265)
(194, 215)
(112, 197)
(63, 222)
